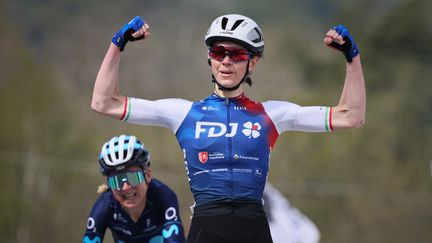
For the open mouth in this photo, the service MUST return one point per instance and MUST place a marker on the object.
(129, 196)
(226, 73)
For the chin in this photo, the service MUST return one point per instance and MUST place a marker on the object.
(130, 203)
(228, 83)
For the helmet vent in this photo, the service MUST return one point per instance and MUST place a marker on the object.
(224, 22)
(255, 36)
(236, 24)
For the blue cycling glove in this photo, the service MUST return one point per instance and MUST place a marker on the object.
(125, 34)
(349, 48)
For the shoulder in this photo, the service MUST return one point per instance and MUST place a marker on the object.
(103, 208)
(162, 193)
(105, 201)
(158, 186)
(277, 104)
(175, 102)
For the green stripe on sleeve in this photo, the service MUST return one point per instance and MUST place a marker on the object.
(327, 127)
(128, 111)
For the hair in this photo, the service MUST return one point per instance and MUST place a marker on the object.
(102, 188)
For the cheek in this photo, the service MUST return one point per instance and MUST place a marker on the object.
(142, 189)
(117, 195)
(243, 68)
(213, 67)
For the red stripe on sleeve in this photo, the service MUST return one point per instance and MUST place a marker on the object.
(124, 109)
(330, 119)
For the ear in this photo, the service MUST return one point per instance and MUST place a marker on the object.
(253, 62)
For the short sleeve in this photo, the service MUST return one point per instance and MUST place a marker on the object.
(291, 117)
(168, 113)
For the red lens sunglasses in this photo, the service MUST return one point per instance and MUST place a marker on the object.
(218, 53)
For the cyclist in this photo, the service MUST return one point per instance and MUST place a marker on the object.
(137, 208)
(227, 138)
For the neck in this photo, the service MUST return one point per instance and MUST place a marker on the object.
(228, 94)
(135, 213)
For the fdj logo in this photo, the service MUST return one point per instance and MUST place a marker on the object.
(216, 129)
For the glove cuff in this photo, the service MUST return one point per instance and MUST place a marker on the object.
(352, 52)
(119, 41)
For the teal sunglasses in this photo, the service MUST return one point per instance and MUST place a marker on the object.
(135, 178)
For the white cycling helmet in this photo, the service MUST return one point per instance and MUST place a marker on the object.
(238, 29)
(121, 152)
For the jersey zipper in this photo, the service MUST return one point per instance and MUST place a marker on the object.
(229, 144)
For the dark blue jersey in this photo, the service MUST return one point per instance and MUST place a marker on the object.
(159, 222)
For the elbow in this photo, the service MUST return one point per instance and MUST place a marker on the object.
(348, 118)
(109, 106)
(355, 122)
(98, 106)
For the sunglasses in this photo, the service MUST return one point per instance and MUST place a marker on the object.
(135, 178)
(218, 53)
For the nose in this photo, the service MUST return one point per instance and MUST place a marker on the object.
(227, 59)
(125, 186)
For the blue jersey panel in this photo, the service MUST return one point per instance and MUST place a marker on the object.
(227, 144)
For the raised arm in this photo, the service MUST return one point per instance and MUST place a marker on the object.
(350, 112)
(106, 97)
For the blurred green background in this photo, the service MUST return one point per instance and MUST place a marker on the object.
(371, 184)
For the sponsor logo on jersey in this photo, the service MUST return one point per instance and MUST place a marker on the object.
(209, 108)
(216, 155)
(258, 172)
(150, 228)
(200, 172)
(96, 239)
(240, 108)
(119, 217)
(214, 129)
(251, 130)
(217, 129)
(242, 170)
(173, 230)
(90, 223)
(121, 229)
(186, 164)
(203, 157)
(237, 156)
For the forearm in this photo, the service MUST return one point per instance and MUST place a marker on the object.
(350, 112)
(106, 97)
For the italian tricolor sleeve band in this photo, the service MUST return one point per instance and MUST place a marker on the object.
(126, 109)
(328, 119)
